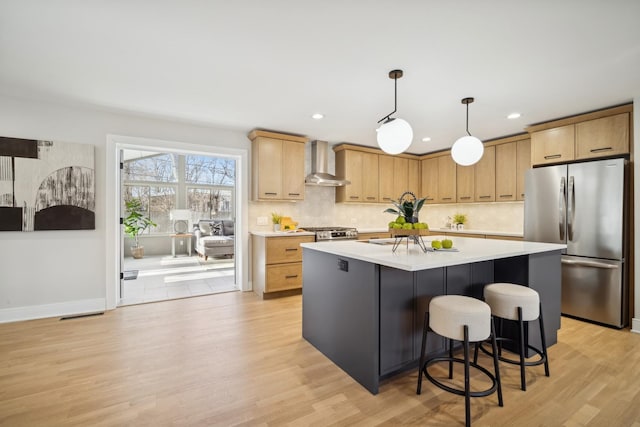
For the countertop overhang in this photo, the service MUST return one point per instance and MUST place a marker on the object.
(412, 258)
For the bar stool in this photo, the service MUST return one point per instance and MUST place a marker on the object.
(465, 319)
(522, 304)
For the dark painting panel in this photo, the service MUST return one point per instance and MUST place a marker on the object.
(46, 185)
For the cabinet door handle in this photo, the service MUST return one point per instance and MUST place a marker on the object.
(291, 276)
(429, 198)
(553, 156)
(464, 198)
(597, 150)
(270, 194)
(371, 197)
(388, 198)
(506, 195)
(484, 197)
(291, 249)
(446, 198)
(354, 197)
(294, 194)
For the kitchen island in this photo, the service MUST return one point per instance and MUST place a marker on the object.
(363, 305)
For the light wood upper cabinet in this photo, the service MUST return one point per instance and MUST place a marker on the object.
(606, 136)
(277, 166)
(293, 170)
(386, 176)
(591, 135)
(523, 164)
(413, 180)
(506, 171)
(485, 176)
(400, 178)
(554, 145)
(447, 179)
(370, 180)
(429, 177)
(361, 168)
(465, 188)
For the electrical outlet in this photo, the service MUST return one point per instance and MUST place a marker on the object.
(181, 243)
(343, 265)
(263, 220)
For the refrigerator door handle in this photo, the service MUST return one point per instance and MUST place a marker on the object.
(562, 207)
(571, 201)
(594, 264)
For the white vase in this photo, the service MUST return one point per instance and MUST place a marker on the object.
(460, 226)
(276, 227)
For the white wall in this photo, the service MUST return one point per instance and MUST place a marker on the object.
(52, 273)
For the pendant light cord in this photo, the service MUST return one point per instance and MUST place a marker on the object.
(395, 101)
(468, 133)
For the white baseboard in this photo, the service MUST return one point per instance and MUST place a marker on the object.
(635, 325)
(16, 314)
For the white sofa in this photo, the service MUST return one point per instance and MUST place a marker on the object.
(214, 238)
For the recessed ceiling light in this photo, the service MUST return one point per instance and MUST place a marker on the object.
(514, 116)
(317, 116)
(426, 139)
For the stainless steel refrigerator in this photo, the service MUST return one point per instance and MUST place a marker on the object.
(584, 205)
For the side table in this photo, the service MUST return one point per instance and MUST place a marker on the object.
(180, 235)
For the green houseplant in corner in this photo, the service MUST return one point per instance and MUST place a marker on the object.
(135, 223)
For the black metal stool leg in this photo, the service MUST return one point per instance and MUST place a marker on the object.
(467, 385)
(496, 365)
(523, 381)
(424, 345)
(544, 343)
(450, 361)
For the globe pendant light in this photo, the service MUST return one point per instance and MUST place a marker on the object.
(394, 135)
(468, 149)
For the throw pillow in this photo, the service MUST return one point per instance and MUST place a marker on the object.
(216, 228)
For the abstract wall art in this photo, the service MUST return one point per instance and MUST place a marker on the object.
(46, 185)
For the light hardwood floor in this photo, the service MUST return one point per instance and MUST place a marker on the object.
(234, 359)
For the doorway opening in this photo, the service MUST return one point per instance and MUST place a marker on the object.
(170, 202)
(181, 188)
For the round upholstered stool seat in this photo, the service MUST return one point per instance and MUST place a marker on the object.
(448, 314)
(520, 304)
(466, 319)
(505, 298)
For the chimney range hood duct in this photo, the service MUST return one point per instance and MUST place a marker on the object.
(319, 175)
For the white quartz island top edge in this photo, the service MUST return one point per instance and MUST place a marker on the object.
(412, 258)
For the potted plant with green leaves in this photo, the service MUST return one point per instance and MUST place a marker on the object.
(275, 219)
(407, 206)
(460, 220)
(135, 223)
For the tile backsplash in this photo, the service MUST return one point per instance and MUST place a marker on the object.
(319, 209)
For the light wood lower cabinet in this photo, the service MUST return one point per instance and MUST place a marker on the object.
(380, 235)
(277, 263)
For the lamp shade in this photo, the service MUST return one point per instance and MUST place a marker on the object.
(179, 214)
(467, 150)
(394, 136)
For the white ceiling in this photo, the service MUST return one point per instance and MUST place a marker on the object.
(271, 64)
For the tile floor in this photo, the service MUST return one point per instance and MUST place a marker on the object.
(165, 277)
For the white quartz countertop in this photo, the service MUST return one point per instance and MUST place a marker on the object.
(282, 233)
(448, 230)
(412, 258)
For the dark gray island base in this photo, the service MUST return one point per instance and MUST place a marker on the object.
(367, 317)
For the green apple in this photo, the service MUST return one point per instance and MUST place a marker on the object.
(391, 224)
(396, 225)
(435, 244)
(401, 220)
(407, 226)
(447, 244)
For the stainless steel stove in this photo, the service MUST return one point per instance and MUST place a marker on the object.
(333, 233)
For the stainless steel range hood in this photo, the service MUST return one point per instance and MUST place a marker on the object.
(319, 174)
